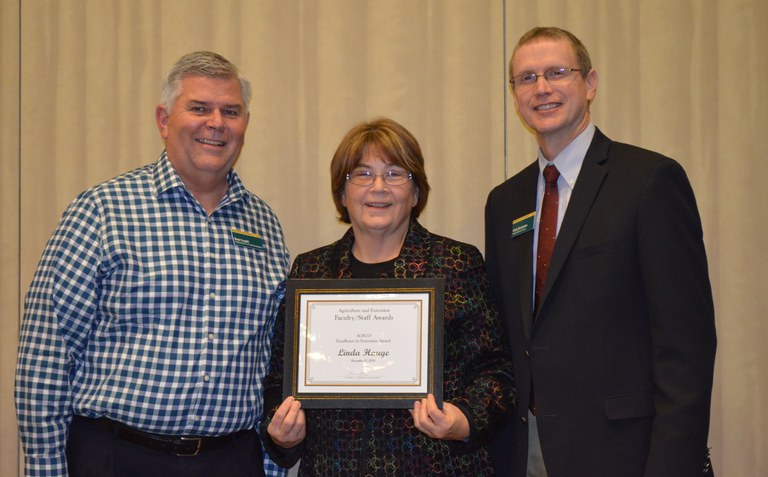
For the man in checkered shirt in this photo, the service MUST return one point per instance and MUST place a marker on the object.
(148, 323)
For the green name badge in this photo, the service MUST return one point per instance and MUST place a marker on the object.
(247, 239)
(523, 224)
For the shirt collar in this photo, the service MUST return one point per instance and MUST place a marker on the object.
(570, 159)
(165, 178)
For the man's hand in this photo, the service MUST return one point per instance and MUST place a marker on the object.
(288, 427)
(448, 423)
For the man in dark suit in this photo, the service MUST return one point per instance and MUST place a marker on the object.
(608, 305)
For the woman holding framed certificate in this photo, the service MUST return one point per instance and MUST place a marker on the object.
(380, 187)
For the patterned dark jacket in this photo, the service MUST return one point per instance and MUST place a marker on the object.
(477, 374)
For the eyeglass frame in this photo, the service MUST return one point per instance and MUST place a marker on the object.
(384, 176)
(544, 74)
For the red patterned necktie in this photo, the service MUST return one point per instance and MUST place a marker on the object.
(547, 235)
(547, 231)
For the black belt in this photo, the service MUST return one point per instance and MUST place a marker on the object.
(183, 446)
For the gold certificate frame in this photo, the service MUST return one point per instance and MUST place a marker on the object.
(364, 343)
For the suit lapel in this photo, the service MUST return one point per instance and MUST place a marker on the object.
(587, 186)
(523, 244)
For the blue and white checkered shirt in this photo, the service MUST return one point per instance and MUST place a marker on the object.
(146, 310)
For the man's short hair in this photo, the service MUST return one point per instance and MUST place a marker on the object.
(201, 63)
(555, 33)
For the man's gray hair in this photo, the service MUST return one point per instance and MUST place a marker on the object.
(201, 63)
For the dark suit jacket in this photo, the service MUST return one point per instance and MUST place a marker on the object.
(622, 351)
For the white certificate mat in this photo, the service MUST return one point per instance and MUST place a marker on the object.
(363, 343)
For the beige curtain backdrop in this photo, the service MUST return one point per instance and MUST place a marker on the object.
(80, 81)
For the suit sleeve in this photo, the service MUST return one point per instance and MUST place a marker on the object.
(490, 249)
(681, 316)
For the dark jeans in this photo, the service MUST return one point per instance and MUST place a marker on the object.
(96, 452)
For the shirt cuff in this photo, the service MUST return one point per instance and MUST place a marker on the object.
(55, 466)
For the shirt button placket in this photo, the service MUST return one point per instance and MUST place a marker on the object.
(209, 302)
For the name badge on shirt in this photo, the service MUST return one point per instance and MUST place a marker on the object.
(247, 239)
(523, 224)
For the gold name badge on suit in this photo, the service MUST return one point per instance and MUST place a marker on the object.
(523, 224)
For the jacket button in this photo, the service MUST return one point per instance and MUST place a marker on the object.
(527, 354)
(523, 419)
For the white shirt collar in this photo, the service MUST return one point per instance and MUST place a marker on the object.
(570, 159)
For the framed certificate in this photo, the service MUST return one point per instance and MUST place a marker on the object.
(363, 343)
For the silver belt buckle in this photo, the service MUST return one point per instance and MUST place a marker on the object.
(197, 449)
